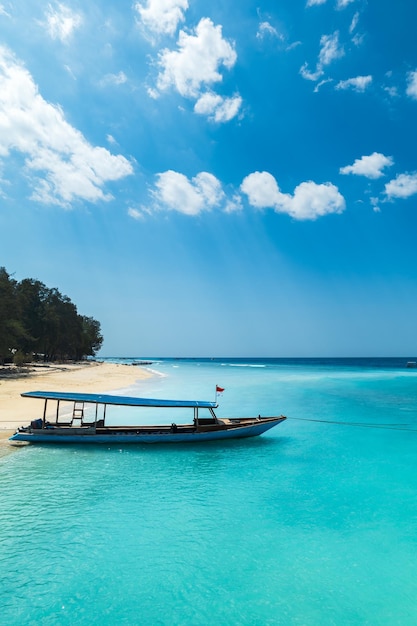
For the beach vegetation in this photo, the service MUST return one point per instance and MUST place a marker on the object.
(20, 358)
(10, 324)
(39, 321)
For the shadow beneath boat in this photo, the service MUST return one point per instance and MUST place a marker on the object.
(248, 444)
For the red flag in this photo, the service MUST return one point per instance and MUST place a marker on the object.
(219, 389)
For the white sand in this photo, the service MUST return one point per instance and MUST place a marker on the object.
(89, 377)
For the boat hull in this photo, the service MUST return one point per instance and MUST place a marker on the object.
(165, 435)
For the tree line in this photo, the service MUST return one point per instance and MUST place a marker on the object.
(40, 323)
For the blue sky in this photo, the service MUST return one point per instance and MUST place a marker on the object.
(213, 179)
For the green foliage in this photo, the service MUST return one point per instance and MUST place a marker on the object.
(20, 358)
(41, 321)
(9, 316)
(91, 337)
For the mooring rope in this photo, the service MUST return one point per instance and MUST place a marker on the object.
(406, 427)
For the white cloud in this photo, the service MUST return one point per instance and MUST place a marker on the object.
(357, 40)
(391, 91)
(217, 108)
(354, 22)
(412, 85)
(370, 166)
(175, 192)
(311, 200)
(70, 72)
(330, 51)
(359, 83)
(194, 66)
(375, 205)
(162, 16)
(234, 204)
(113, 79)
(3, 11)
(341, 4)
(61, 21)
(293, 45)
(308, 202)
(137, 215)
(265, 28)
(262, 190)
(321, 83)
(403, 186)
(197, 61)
(305, 73)
(62, 165)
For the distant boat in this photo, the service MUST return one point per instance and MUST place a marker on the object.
(411, 364)
(86, 421)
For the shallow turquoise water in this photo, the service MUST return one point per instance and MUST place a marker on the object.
(312, 523)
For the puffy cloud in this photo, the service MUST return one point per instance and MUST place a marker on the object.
(61, 21)
(370, 166)
(330, 50)
(412, 85)
(217, 108)
(197, 61)
(62, 165)
(311, 3)
(162, 16)
(175, 192)
(309, 201)
(359, 83)
(194, 66)
(262, 190)
(403, 186)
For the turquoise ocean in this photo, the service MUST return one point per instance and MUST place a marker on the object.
(313, 523)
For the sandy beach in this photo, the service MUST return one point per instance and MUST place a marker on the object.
(89, 377)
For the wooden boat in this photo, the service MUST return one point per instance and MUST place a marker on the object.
(81, 418)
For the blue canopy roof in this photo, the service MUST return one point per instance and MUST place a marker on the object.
(97, 398)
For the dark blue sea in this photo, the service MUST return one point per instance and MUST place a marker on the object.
(313, 523)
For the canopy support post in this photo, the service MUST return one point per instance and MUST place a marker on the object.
(44, 413)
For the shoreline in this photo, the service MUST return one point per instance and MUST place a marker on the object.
(88, 377)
